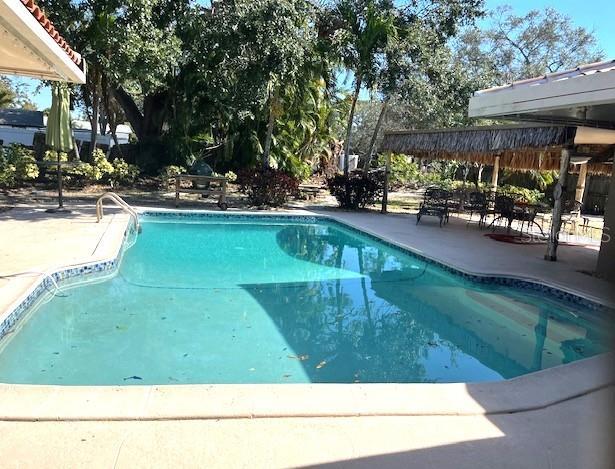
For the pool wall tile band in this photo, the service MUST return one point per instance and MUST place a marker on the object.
(87, 271)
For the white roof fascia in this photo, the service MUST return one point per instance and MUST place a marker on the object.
(585, 90)
(56, 64)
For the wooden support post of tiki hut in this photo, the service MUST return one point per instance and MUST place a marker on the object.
(385, 193)
(494, 175)
(580, 190)
(558, 205)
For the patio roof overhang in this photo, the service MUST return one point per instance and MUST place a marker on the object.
(583, 96)
(30, 45)
(518, 146)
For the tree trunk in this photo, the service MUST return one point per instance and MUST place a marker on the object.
(154, 114)
(372, 143)
(131, 110)
(94, 123)
(479, 176)
(355, 97)
(113, 129)
(269, 136)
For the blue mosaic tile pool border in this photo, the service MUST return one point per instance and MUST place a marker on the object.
(88, 270)
(84, 271)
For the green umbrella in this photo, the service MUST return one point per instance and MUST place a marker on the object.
(59, 136)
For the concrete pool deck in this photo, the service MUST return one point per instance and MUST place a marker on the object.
(556, 418)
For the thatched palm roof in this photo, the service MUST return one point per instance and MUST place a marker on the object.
(521, 147)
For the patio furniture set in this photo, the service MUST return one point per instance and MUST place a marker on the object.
(440, 203)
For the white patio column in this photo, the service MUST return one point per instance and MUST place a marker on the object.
(494, 175)
(606, 257)
(556, 217)
(580, 190)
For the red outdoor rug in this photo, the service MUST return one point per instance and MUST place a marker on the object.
(515, 239)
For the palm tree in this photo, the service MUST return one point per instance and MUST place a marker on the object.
(367, 28)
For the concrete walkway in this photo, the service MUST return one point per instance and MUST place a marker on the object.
(574, 434)
(33, 242)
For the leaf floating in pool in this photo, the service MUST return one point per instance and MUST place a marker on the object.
(287, 376)
(185, 355)
(321, 364)
(299, 357)
(133, 377)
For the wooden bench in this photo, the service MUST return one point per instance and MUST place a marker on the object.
(309, 191)
(220, 189)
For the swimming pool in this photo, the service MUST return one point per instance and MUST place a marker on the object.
(256, 299)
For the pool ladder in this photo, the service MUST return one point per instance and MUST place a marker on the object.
(117, 200)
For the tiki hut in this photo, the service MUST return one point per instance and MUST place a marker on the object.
(519, 147)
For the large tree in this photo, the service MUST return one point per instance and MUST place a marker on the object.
(514, 46)
(132, 49)
(382, 41)
(257, 83)
(14, 94)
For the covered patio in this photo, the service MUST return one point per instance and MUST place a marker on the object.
(573, 131)
(583, 97)
(520, 147)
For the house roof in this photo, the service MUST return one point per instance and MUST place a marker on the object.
(580, 71)
(584, 96)
(31, 46)
(21, 118)
(47, 25)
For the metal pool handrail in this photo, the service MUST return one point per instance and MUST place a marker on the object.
(120, 203)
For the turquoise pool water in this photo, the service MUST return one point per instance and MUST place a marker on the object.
(265, 301)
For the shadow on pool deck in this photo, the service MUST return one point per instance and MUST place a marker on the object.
(573, 435)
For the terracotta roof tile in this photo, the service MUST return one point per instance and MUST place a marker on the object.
(51, 30)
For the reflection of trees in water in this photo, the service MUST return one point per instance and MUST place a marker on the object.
(378, 326)
(340, 324)
(332, 325)
(326, 245)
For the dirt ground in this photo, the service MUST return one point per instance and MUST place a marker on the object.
(151, 194)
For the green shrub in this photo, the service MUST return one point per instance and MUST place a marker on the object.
(102, 169)
(99, 171)
(270, 187)
(521, 194)
(124, 174)
(17, 165)
(169, 172)
(230, 176)
(356, 190)
(403, 171)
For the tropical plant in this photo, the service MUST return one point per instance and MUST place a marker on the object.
(356, 190)
(367, 28)
(267, 186)
(402, 170)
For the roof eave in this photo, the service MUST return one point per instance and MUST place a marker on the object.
(55, 64)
